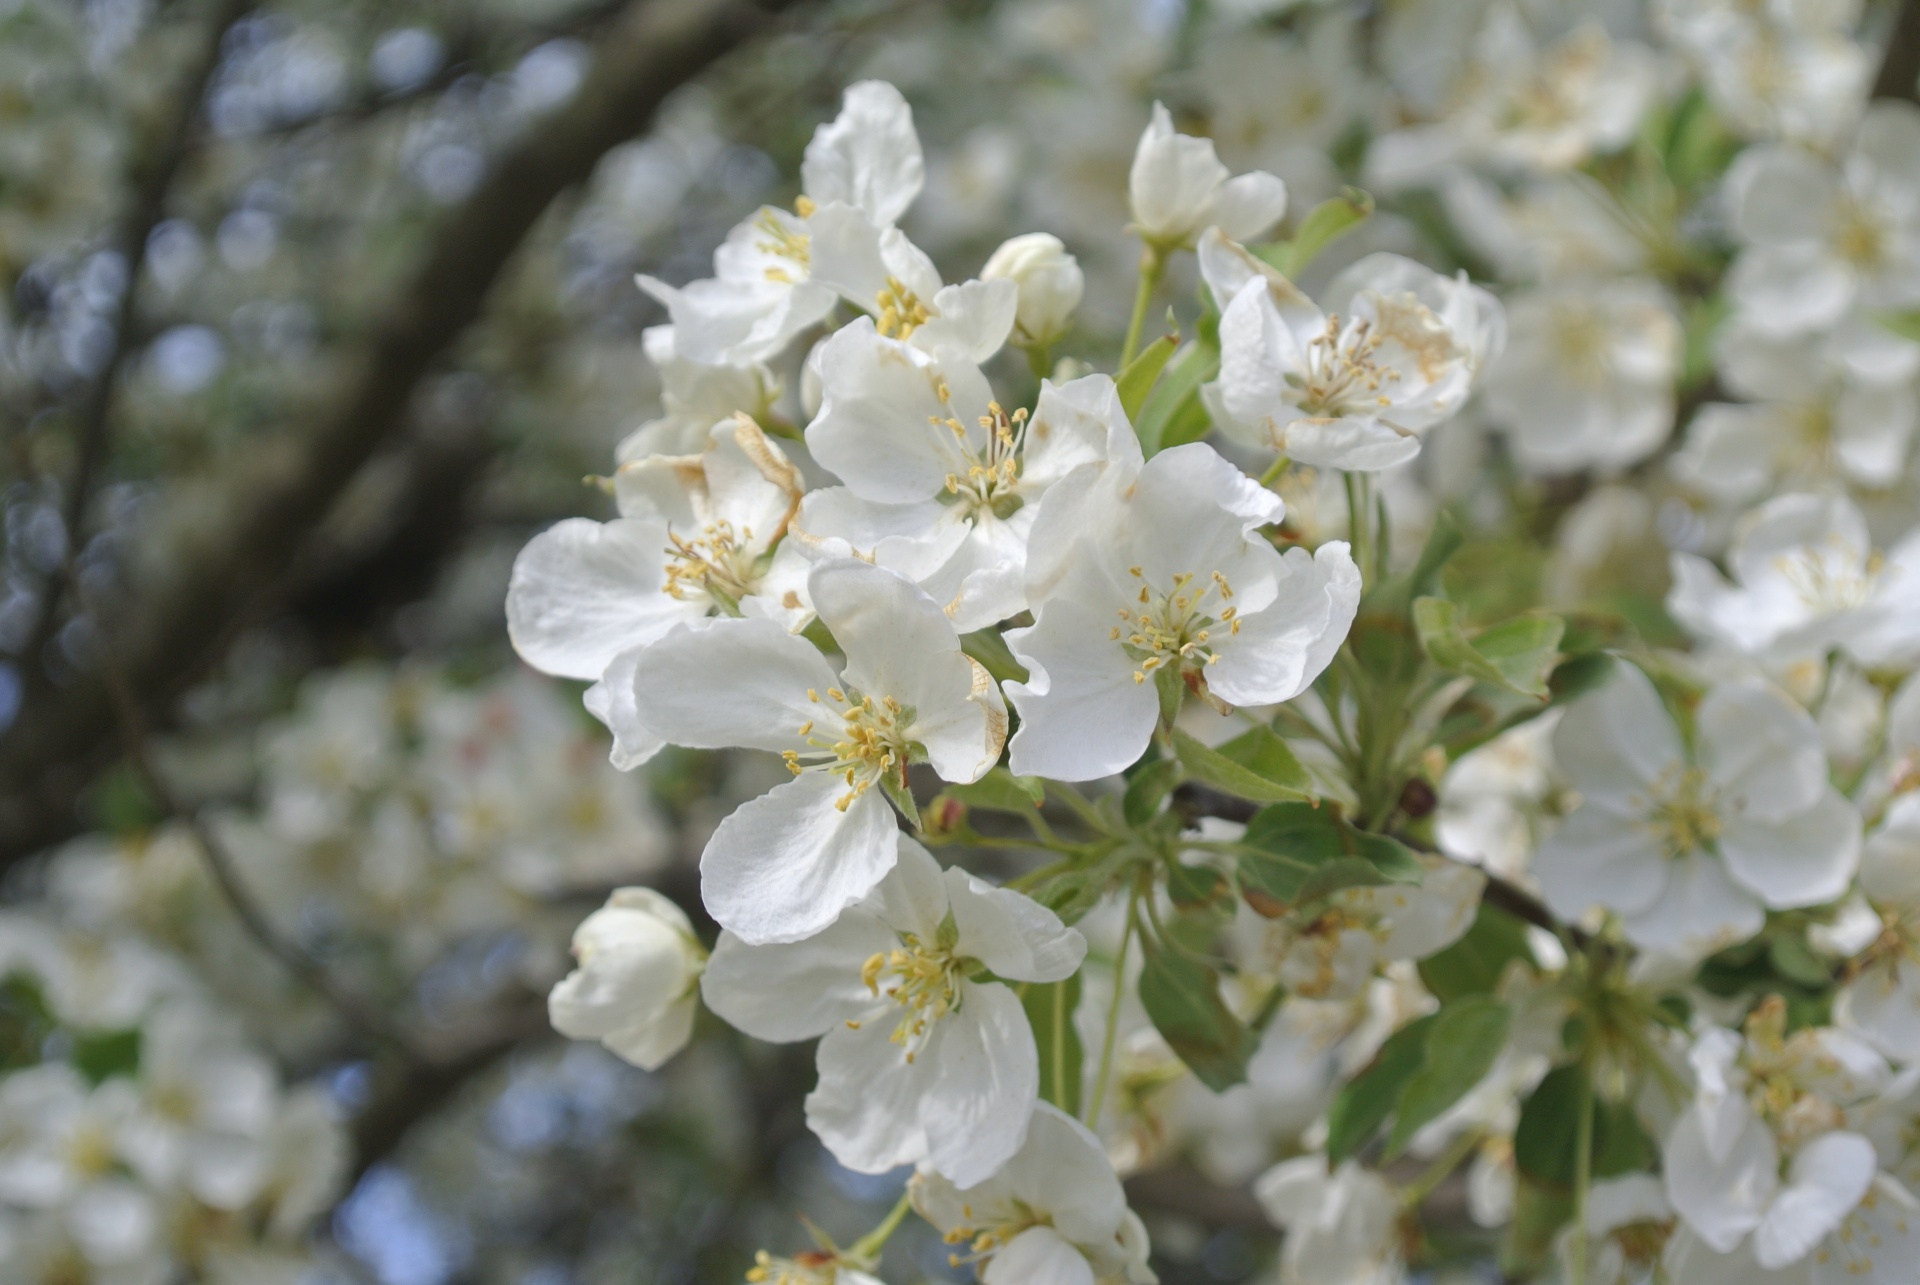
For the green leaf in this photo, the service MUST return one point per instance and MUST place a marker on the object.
(1294, 852)
(1466, 1039)
(1544, 1142)
(1138, 379)
(1050, 1007)
(101, 1057)
(902, 798)
(1906, 323)
(1198, 887)
(1794, 960)
(1177, 391)
(1577, 675)
(1001, 791)
(1250, 779)
(1147, 789)
(1473, 965)
(1369, 1098)
(1517, 654)
(1324, 224)
(990, 649)
(1182, 997)
(1539, 1212)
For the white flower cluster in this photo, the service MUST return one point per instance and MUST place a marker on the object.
(142, 1139)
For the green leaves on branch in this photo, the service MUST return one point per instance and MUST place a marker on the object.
(1516, 654)
(1423, 1068)
(1326, 223)
(1255, 765)
(1294, 853)
(1182, 997)
(1050, 1007)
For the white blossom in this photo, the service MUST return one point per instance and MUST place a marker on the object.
(1179, 189)
(1342, 1225)
(635, 984)
(1049, 281)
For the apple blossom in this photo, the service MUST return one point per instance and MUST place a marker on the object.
(1049, 281)
(1179, 189)
(635, 984)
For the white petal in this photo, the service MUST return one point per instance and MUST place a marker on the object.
(1282, 648)
(900, 644)
(730, 682)
(784, 865)
(1723, 1199)
(1802, 860)
(987, 1081)
(1012, 934)
(1616, 742)
(651, 1045)
(1825, 1181)
(1597, 857)
(1701, 911)
(614, 700)
(1761, 749)
(972, 320)
(796, 990)
(1082, 715)
(1248, 204)
(582, 592)
(868, 156)
(1356, 445)
(868, 1106)
(913, 896)
(1037, 1256)
(1075, 423)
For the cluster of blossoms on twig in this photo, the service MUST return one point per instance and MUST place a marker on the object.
(1355, 859)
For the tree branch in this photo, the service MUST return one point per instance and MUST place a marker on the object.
(151, 182)
(235, 573)
(1900, 66)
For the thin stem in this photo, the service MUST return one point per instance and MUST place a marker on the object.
(1152, 265)
(1274, 470)
(1079, 803)
(1113, 1011)
(1445, 1163)
(1582, 1169)
(864, 1253)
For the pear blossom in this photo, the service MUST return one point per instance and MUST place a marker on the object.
(783, 866)
(1049, 282)
(1588, 379)
(943, 485)
(1168, 550)
(1342, 1223)
(1823, 238)
(1764, 1149)
(1805, 580)
(1357, 386)
(1055, 1214)
(1336, 951)
(864, 166)
(1691, 846)
(697, 534)
(1179, 189)
(922, 1061)
(635, 986)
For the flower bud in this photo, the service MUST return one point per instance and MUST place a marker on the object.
(636, 989)
(1050, 284)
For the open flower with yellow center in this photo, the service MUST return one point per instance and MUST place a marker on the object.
(783, 866)
(877, 269)
(1141, 572)
(1691, 848)
(922, 1059)
(1053, 1214)
(697, 535)
(1354, 386)
(1587, 381)
(1806, 579)
(943, 483)
(864, 166)
(1764, 1150)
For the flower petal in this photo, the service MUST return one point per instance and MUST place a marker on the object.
(1725, 1198)
(987, 1080)
(582, 592)
(1826, 1180)
(1012, 934)
(785, 865)
(730, 682)
(798, 990)
(1801, 860)
(869, 1105)
(1037, 1256)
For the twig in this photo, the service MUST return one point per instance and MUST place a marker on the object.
(364, 1019)
(237, 572)
(1900, 67)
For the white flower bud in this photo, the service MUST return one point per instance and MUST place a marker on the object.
(1050, 284)
(636, 989)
